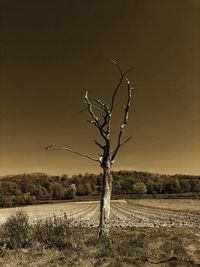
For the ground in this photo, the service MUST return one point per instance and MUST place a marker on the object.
(140, 247)
(124, 213)
(163, 233)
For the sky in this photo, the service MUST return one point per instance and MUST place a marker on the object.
(53, 51)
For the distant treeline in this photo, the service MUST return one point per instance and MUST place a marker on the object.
(36, 187)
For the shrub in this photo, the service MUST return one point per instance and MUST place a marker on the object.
(15, 232)
(56, 232)
(52, 232)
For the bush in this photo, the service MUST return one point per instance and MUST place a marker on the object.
(15, 232)
(56, 232)
(52, 232)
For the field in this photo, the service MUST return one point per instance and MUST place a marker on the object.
(124, 213)
(144, 233)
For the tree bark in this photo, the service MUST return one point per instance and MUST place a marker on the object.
(104, 223)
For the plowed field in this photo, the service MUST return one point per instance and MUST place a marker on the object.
(124, 213)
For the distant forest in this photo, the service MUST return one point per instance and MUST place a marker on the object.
(24, 189)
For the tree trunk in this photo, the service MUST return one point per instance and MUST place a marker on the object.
(104, 224)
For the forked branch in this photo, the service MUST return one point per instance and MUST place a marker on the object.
(95, 119)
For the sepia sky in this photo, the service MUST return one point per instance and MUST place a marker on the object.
(51, 52)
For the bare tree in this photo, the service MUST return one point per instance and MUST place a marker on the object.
(108, 155)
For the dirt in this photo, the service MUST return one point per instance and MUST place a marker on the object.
(131, 213)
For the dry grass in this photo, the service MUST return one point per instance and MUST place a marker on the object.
(140, 247)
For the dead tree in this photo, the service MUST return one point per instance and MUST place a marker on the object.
(108, 155)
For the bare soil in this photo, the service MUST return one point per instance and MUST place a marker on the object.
(124, 213)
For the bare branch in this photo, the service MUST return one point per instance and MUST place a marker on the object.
(128, 103)
(51, 147)
(118, 66)
(125, 120)
(118, 145)
(102, 105)
(115, 92)
(95, 120)
(86, 108)
(128, 70)
(119, 83)
(90, 109)
(82, 110)
(123, 143)
(98, 144)
(106, 115)
(126, 141)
